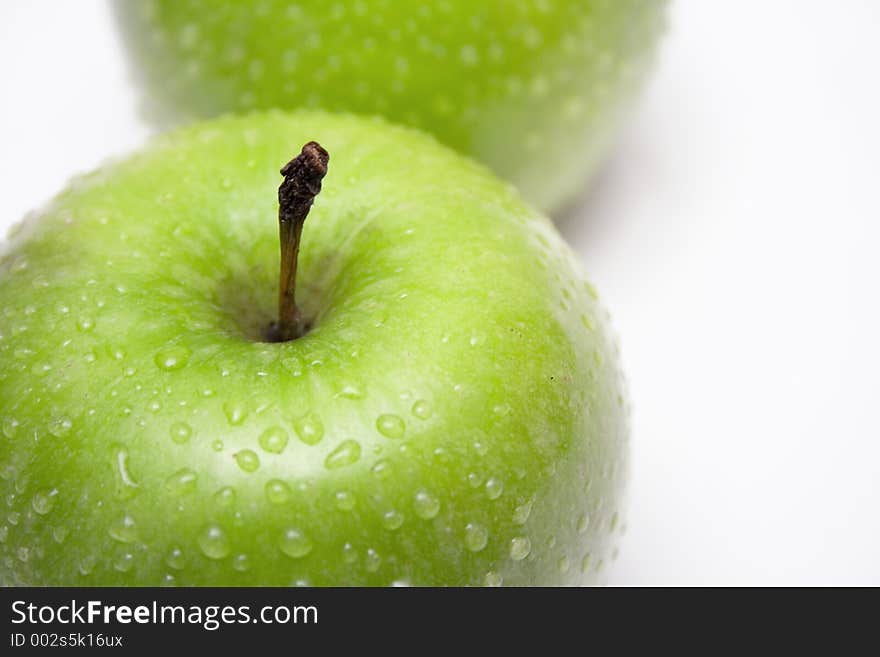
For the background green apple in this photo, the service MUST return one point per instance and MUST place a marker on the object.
(456, 415)
(533, 89)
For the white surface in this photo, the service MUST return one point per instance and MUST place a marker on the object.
(734, 235)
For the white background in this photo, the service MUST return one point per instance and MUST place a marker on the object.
(734, 235)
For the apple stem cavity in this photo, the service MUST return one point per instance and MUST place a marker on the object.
(302, 183)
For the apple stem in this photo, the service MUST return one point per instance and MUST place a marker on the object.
(302, 183)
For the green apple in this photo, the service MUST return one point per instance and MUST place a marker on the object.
(450, 411)
(533, 89)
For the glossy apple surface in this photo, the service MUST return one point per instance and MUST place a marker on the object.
(456, 414)
(533, 89)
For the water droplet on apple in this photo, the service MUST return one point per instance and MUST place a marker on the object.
(59, 534)
(180, 432)
(372, 561)
(563, 564)
(351, 391)
(426, 505)
(521, 513)
(182, 482)
(391, 426)
(583, 523)
(247, 460)
(309, 429)
(612, 524)
(494, 488)
(9, 426)
(217, 445)
(86, 565)
(174, 357)
(235, 413)
(44, 501)
(277, 491)
(475, 537)
(85, 324)
(422, 409)
(349, 553)
(392, 520)
(475, 479)
(520, 546)
(345, 500)
(124, 530)
(175, 559)
(586, 562)
(168, 580)
(347, 453)
(273, 440)
(381, 469)
(123, 562)
(213, 542)
(60, 426)
(225, 497)
(4, 533)
(295, 544)
(241, 563)
(493, 579)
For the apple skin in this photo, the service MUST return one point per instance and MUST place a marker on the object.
(456, 416)
(533, 89)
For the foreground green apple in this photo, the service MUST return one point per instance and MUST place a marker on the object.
(453, 414)
(533, 89)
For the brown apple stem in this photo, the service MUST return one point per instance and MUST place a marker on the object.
(302, 183)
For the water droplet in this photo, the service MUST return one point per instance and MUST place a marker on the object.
(59, 534)
(520, 547)
(309, 429)
(494, 488)
(10, 426)
(422, 409)
(85, 324)
(235, 413)
(123, 562)
(475, 479)
(44, 501)
(392, 520)
(60, 426)
(180, 432)
(349, 553)
(277, 491)
(612, 524)
(583, 523)
(87, 565)
(351, 392)
(241, 563)
(217, 445)
(348, 452)
(247, 460)
(563, 564)
(213, 542)
(295, 544)
(586, 562)
(475, 537)
(4, 533)
(273, 440)
(175, 559)
(521, 513)
(129, 485)
(124, 530)
(344, 500)
(426, 505)
(171, 358)
(182, 482)
(225, 497)
(391, 426)
(372, 561)
(493, 579)
(381, 469)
